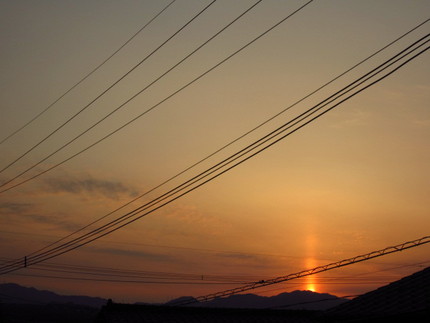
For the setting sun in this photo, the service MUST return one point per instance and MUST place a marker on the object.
(310, 284)
(311, 287)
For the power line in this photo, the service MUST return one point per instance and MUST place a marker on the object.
(179, 282)
(132, 98)
(157, 275)
(238, 138)
(206, 250)
(57, 250)
(104, 228)
(134, 273)
(129, 281)
(313, 271)
(154, 106)
(194, 180)
(105, 91)
(87, 75)
(187, 186)
(131, 276)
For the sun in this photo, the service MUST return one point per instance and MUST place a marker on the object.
(311, 287)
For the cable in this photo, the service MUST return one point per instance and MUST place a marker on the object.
(122, 220)
(87, 75)
(128, 281)
(172, 192)
(313, 271)
(108, 89)
(133, 273)
(132, 98)
(215, 176)
(80, 241)
(176, 282)
(237, 139)
(154, 106)
(155, 277)
(207, 250)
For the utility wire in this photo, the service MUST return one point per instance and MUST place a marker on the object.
(87, 75)
(181, 282)
(206, 173)
(156, 105)
(132, 98)
(206, 250)
(108, 89)
(105, 274)
(313, 271)
(156, 275)
(210, 179)
(68, 246)
(129, 273)
(139, 209)
(130, 281)
(237, 139)
(155, 278)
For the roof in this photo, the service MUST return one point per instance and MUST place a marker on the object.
(409, 296)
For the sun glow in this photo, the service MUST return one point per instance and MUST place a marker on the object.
(310, 284)
(311, 287)
(310, 262)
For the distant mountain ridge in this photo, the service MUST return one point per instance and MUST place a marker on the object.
(303, 300)
(296, 300)
(16, 294)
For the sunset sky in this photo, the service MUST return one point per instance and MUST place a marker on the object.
(354, 181)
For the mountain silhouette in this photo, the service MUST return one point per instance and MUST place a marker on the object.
(16, 294)
(297, 300)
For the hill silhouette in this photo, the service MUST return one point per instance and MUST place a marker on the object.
(300, 300)
(16, 294)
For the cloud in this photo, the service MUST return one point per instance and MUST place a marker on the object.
(354, 117)
(59, 222)
(106, 188)
(240, 256)
(12, 208)
(255, 260)
(136, 253)
(23, 213)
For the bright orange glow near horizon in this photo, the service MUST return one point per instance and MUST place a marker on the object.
(311, 287)
(323, 194)
(310, 281)
(310, 251)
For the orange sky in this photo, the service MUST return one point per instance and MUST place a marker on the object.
(355, 181)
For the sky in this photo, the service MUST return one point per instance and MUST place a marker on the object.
(354, 181)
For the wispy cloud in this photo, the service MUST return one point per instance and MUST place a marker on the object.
(107, 188)
(136, 253)
(354, 117)
(246, 258)
(20, 213)
(57, 221)
(11, 208)
(240, 256)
